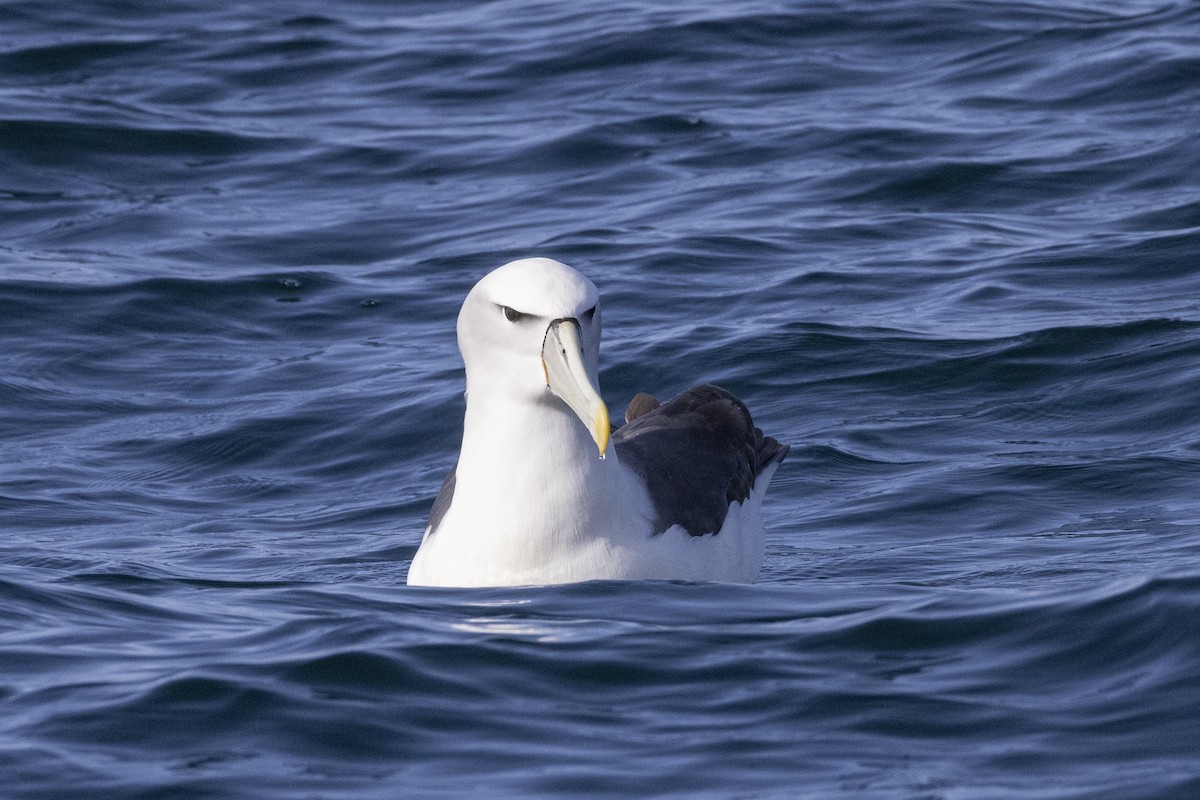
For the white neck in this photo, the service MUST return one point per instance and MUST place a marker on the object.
(531, 493)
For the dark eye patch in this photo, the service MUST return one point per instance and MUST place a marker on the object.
(591, 312)
(512, 315)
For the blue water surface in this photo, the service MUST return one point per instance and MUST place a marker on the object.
(948, 251)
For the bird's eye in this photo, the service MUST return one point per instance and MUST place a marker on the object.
(591, 312)
(511, 314)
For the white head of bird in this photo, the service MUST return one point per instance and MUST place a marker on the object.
(530, 332)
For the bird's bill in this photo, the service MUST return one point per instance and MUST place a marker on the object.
(567, 377)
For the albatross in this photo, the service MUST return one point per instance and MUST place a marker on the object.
(545, 492)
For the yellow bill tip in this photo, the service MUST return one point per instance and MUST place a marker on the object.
(602, 429)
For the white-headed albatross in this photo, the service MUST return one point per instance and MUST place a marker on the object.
(541, 495)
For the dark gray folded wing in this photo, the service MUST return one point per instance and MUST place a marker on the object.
(696, 454)
(441, 503)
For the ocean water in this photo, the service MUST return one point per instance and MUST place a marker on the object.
(949, 251)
